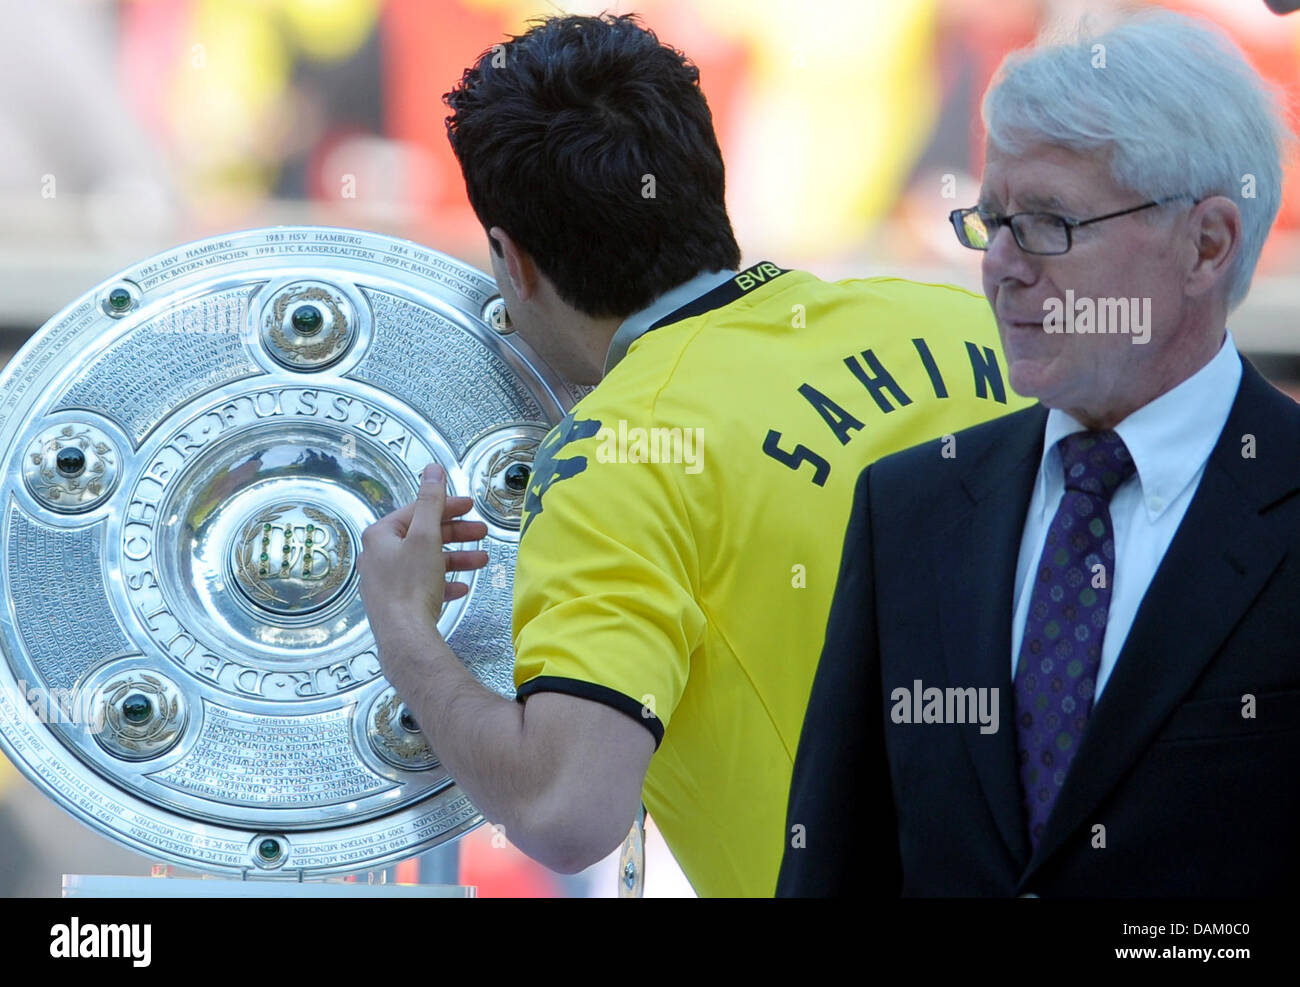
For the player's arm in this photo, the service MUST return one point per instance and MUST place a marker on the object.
(840, 827)
(561, 773)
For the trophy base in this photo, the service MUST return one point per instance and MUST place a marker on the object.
(109, 886)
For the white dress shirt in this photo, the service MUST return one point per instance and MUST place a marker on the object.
(1170, 440)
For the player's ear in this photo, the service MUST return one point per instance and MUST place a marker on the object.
(520, 269)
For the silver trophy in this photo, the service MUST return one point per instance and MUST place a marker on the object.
(190, 454)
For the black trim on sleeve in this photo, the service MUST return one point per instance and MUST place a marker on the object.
(596, 693)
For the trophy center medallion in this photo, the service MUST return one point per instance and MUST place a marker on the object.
(292, 559)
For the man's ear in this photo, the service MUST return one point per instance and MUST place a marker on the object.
(519, 265)
(1216, 229)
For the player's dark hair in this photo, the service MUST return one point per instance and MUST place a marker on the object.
(591, 144)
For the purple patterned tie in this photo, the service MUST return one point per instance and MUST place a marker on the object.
(1061, 649)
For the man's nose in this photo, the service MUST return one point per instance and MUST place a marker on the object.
(1004, 260)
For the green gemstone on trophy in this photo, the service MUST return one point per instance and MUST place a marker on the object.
(268, 850)
(119, 299)
(265, 557)
(308, 320)
(517, 476)
(136, 708)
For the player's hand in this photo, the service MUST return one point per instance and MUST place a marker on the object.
(403, 564)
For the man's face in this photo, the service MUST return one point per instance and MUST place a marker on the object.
(1129, 257)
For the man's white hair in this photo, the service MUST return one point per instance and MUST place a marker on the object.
(1172, 99)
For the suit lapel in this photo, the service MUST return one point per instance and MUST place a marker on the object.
(974, 561)
(1218, 562)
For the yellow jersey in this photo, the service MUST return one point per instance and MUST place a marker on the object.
(684, 522)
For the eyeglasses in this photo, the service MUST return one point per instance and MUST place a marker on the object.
(1042, 233)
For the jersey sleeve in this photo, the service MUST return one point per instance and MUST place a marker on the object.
(605, 599)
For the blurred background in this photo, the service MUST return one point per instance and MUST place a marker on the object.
(849, 129)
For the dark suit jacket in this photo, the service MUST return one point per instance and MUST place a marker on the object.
(1196, 799)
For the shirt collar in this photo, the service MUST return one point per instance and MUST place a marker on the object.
(1169, 438)
(638, 324)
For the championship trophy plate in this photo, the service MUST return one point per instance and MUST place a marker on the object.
(190, 454)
